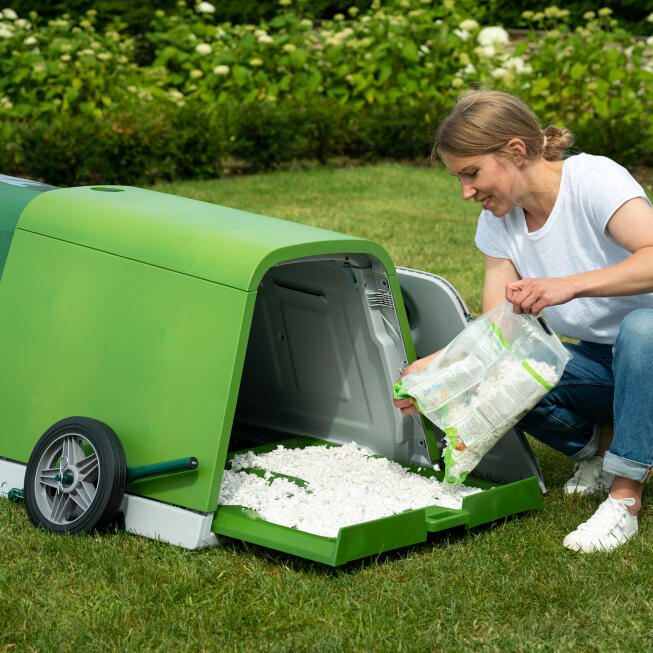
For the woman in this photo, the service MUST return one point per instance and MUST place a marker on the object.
(572, 238)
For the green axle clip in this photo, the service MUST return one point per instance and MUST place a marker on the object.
(16, 495)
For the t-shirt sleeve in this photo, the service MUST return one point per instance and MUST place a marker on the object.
(491, 237)
(606, 187)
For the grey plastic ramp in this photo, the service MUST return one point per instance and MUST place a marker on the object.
(436, 315)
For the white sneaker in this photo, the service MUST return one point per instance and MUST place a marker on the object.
(610, 526)
(589, 478)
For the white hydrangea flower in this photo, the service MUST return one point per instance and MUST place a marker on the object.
(493, 36)
(205, 8)
(457, 82)
(196, 73)
(65, 57)
(221, 70)
(30, 40)
(305, 22)
(5, 33)
(469, 69)
(255, 62)
(518, 65)
(605, 11)
(499, 73)
(86, 52)
(104, 56)
(462, 33)
(289, 47)
(265, 38)
(469, 25)
(10, 14)
(203, 48)
(486, 51)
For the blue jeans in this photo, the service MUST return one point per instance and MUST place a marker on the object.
(604, 384)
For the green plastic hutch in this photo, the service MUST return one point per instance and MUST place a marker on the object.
(191, 331)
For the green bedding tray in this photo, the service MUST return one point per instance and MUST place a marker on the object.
(375, 537)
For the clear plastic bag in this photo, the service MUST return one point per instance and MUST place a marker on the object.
(484, 382)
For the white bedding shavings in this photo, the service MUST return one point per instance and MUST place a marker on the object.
(345, 485)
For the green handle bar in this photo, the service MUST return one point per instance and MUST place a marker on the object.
(159, 469)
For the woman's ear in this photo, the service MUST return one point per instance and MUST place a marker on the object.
(517, 148)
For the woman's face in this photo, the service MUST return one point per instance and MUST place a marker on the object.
(487, 178)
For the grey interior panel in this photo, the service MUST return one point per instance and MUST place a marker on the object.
(436, 312)
(324, 351)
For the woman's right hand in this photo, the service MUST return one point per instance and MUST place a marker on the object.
(407, 406)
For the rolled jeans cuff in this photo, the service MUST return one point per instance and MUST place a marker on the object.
(589, 449)
(627, 468)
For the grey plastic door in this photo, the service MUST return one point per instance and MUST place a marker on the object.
(436, 315)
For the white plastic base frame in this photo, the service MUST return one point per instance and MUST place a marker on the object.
(153, 519)
(12, 475)
(161, 521)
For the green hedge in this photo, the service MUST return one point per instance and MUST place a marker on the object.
(139, 147)
(77, 107)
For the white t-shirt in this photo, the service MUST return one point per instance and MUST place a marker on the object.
(573, 239)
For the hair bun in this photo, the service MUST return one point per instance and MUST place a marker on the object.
(556, 141)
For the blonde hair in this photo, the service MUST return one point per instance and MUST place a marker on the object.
(482, 122)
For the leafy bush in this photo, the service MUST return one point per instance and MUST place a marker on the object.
(631, 14)
(596, 80)
(366, 84)
(134, 146)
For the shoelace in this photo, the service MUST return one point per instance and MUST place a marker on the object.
(604, 517)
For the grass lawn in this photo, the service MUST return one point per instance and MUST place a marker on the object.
(505, 587)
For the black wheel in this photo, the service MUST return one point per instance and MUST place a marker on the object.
(75, 477)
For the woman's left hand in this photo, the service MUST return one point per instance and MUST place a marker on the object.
(532, 295)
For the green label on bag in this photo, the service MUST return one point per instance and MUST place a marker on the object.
(536, 376)
(499, 333)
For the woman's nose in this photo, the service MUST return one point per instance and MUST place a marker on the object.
(468, 191)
